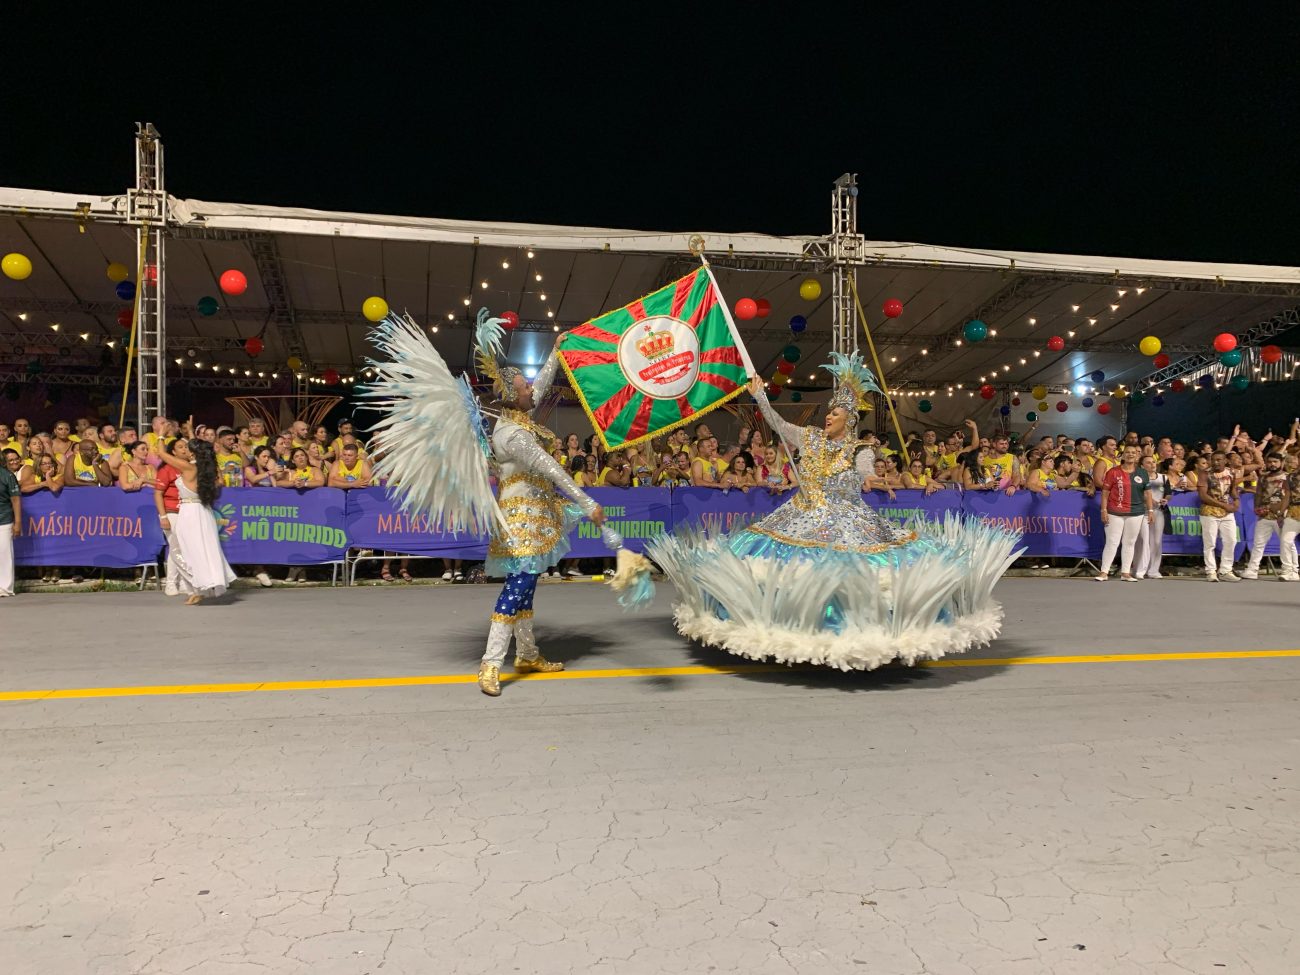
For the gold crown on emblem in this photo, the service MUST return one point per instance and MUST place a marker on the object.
(655, 345)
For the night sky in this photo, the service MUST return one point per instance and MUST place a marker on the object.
(1165, 137)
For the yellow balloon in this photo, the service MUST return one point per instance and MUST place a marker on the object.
(1149, 345)
(294, 362)
(16, 266)
(117, 272)
(375, 309)
(1042, 407)
(1039, 392)
(1119, 394)
(810, 289)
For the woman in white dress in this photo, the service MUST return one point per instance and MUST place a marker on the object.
(203, 569)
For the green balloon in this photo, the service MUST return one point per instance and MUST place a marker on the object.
(1240, 382)
(925, 406)
(1136, 398)
(208, 305)
(796, 396)
(791, 353)
(1031, 416)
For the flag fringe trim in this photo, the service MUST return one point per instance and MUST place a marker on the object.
(586, 408)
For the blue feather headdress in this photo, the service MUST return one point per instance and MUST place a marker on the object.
(853, 382)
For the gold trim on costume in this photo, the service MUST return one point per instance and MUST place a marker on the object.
(521, 419)
(536, 480)
(524, 614)
(503, 618)
(806, 543)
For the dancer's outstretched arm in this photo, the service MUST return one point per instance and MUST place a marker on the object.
(545, 376)
(787, 431)
(524, 448)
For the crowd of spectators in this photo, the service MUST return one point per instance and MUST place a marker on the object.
(1225, 473)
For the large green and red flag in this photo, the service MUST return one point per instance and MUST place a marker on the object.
(657, 363)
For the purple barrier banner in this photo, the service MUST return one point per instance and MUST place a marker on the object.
(908, 504)
(638, 514)
(103, 527)
(722, 511)
(374, 521)
(1065, 524)
(282, 526)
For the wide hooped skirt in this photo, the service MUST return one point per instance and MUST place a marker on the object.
(923, 599)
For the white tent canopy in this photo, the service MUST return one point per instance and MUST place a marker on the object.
(309, 272)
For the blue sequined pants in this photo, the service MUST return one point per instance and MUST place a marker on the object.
(516, 597)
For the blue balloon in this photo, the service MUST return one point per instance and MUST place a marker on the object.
(1206, 381)
(1157, 401)
(975, 331)
(1098, 376)
(125, 290)
(1005, 411)
(1087, 402)
(798, 323)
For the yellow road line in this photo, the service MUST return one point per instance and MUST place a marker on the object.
(163, 690)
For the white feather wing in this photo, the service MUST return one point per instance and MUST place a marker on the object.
(433, 449)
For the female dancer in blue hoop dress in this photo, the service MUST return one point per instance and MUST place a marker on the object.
(825, 579)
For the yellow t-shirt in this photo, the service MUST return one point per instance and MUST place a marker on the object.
(230, 468)
(83, 471)
(1107, 461)
(998, 468)
(713, 469)
(13, 444)
(256, 442)
(353, 473)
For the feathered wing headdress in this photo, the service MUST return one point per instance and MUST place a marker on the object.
(433, 448)
(853, 382)
(489, 333)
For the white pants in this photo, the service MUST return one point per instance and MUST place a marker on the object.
(6, 560)
(1121, 533)
(173, 552)
(1290, 558)
(1150, 545)
(1212, 530)
(1265, 529)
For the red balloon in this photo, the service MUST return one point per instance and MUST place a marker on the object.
(253, 346)
(785, 368)
(987, 391)
(1178, 385)
(1062, 406)
(773, 390)
(1103, 409)
(124, 317)
(746, 308)
(1160, 361)
(1270, 354)
(1015, 401)
(764, 307)
(1056, 343)
(892, 308)
(233, 282)
(331, 377)
(1225, 342)
(509, 319)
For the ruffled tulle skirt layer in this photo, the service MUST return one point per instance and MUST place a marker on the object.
(766, 599)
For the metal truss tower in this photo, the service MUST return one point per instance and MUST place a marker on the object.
(846, 249)
(147, 211)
